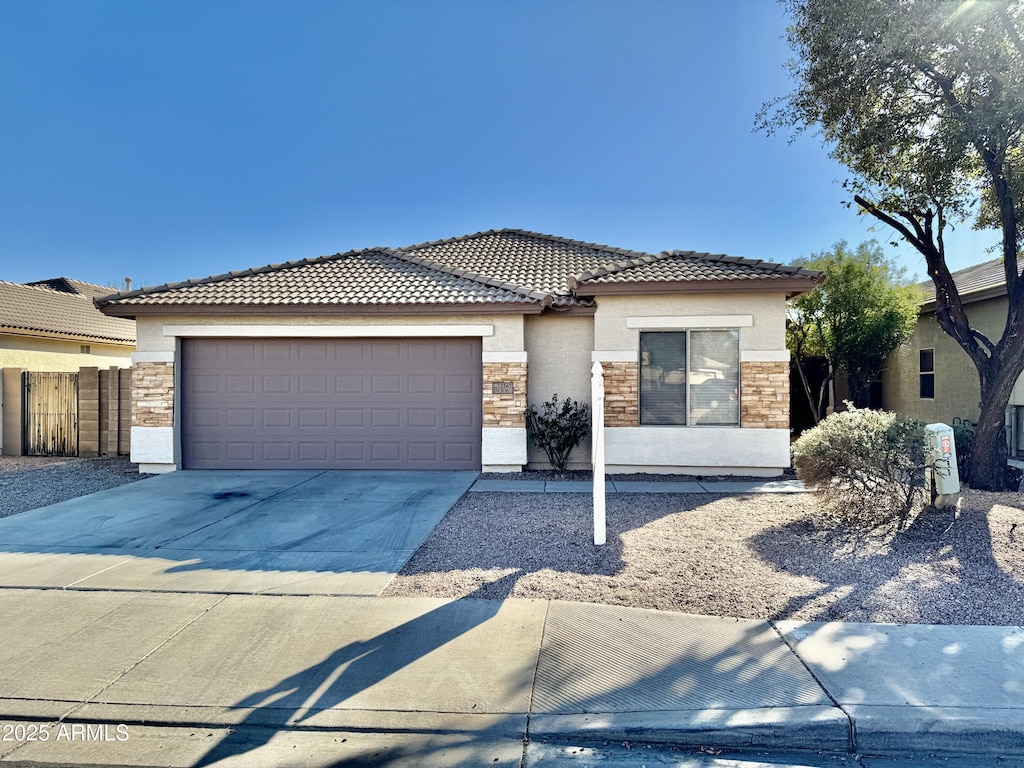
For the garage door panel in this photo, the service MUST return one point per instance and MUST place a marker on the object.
(310, 418)
(333, 404)
(461, 385)
(421, 417)
(241, 350)
(349, 385)
(349, 417)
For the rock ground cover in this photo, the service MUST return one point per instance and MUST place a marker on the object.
(30, 482)
(763, 556)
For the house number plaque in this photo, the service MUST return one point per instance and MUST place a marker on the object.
(503, 388)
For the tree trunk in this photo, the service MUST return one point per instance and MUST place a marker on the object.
(988, 460)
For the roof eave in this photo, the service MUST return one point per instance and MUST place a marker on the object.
(137, 310)
(9, 330)
(787, 285)
(994, 292)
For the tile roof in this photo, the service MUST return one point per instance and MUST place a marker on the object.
(987, 276)
(366, 277)
(67, 285)
(506, 266)
(43, 310)
(689, 266)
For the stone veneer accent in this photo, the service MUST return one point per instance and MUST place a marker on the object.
(764, 395)
(153, 395)
(621, 394)
(505, 410)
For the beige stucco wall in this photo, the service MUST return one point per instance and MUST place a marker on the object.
(507, 333)
(559, 350)
(59, 356)
(767, 333)
(957, 392)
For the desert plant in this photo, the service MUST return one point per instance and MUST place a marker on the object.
(865, 466)
(557, 428)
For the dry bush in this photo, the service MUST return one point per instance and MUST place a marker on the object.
(866, 467)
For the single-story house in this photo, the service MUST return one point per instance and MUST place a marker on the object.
(53, 325)
(427, 356)
(931, 378)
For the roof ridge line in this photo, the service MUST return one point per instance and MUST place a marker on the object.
(545, 299)
(609, 249)
(151, 289)
(575, 281)
(46, 288)
(788, 269)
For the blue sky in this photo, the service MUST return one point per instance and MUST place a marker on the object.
(182, 138)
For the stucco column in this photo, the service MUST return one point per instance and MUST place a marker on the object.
(13, 400)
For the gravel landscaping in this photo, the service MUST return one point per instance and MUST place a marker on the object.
(30, 482)
(765, 556)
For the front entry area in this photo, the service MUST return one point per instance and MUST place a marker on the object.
(402, 403)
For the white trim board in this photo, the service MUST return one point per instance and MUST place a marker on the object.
(504, 357)
(690, 321)
(327, 331)
(764, 356)
(613, 356)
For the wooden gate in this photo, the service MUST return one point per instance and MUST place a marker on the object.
(51, 414)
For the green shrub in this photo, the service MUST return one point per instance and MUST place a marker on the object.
(865, 466)
(558, 428)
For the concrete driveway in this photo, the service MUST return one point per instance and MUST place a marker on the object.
(284, 532)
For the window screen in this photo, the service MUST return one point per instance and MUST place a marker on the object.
(927, 369)
(714, 378)
(689, 377)
(663, 378)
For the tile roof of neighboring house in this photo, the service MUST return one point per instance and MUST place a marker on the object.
(988, 277)
(41, 310)
(67, 285)
(507, 266)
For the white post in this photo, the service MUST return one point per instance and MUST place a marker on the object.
(597, 449)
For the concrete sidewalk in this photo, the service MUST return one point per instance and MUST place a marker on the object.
(204, 679)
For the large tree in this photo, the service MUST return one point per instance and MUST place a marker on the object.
(923, 100)
(858, 317)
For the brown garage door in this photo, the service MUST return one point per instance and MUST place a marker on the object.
(331, 403)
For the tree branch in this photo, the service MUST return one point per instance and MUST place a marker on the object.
(949, 309)
(1011, 31)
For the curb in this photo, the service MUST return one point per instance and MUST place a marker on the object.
(823, 728)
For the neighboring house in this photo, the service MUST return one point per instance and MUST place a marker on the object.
(426, 357)
(53, 325)
(931, 378)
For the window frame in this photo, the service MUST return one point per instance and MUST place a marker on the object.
(688, 424)
(925, 375)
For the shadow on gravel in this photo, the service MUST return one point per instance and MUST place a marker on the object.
(487, 533)
(940, 570)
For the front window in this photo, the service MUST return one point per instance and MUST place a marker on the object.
(927, 374)
(690, 378)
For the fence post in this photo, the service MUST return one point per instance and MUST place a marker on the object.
(89, 412)
(124, 405)
(597, 412)
(14, 411)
